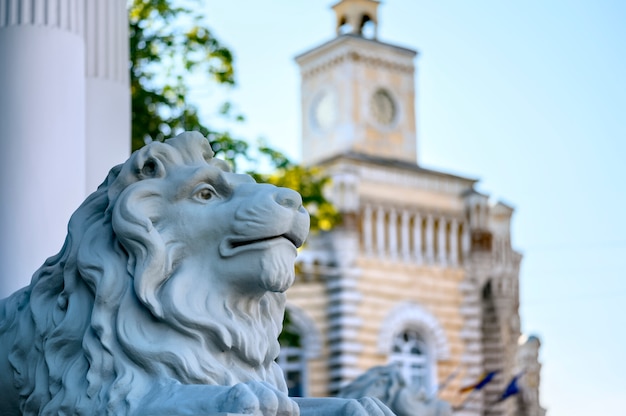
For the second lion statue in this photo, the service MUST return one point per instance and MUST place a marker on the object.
(167, 298)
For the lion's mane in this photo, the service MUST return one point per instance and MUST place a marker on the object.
(92, 317)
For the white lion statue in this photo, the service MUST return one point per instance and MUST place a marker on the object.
(166, 298)
(387, 384)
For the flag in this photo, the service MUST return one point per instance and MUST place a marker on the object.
(482, 382)
(451, 377)
(511, 389)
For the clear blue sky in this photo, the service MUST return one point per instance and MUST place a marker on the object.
(530, 97)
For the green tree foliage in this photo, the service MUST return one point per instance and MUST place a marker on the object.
(308, 181)
(169, 42)
(289, 336)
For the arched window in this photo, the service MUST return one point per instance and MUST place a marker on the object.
(410, 351)
(291, 358)
(299, 341)
(413, 337)
(293, 363)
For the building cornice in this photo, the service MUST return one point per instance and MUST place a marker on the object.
(399, 172)
(355, 49)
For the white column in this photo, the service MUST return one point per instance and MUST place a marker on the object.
(380, 231)
(404, 235)
(393, 233)
(107, 88)
(465, 243)
(454, 248)
(417, 238)
(430, 239)
(367, 229)
(442, 253)
(42, 129)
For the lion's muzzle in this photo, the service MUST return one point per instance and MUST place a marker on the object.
(265, 216)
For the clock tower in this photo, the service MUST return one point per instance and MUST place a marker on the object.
(357, 93)
(420, 272)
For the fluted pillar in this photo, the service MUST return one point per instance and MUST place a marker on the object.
(107, 88)
(367, 230)
(42, 130)
(430, 239)
(465, 243)
(441, 242)
(404, 235)
(380, 231)
(454, 247)
(393, 233)
(417, 238)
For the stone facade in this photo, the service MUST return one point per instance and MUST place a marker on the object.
(422, 261)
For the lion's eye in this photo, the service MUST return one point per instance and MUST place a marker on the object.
(204, 194)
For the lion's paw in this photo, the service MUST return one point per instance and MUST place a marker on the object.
(366, 406)
(258, 398)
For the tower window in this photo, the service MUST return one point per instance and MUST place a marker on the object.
(344, 27)
(367, 28)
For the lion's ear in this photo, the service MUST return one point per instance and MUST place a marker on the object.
(149, 160)
(151, 167)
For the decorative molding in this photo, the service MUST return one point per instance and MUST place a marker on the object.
(66, 15)
(349, 53)
(415, 180)
(410, 315)
(106, 40)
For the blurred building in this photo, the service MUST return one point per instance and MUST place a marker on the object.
(421, 271)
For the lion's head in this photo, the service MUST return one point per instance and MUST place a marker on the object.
(387, 384)
(172, 270)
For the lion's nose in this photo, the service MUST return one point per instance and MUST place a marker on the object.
(288, 198)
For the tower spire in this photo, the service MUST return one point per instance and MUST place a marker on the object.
(357, 17)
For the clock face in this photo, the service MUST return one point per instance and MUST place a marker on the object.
(383, 107)
(324, 110)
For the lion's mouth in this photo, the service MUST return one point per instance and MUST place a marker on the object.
(237, 244)
(232, 246)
